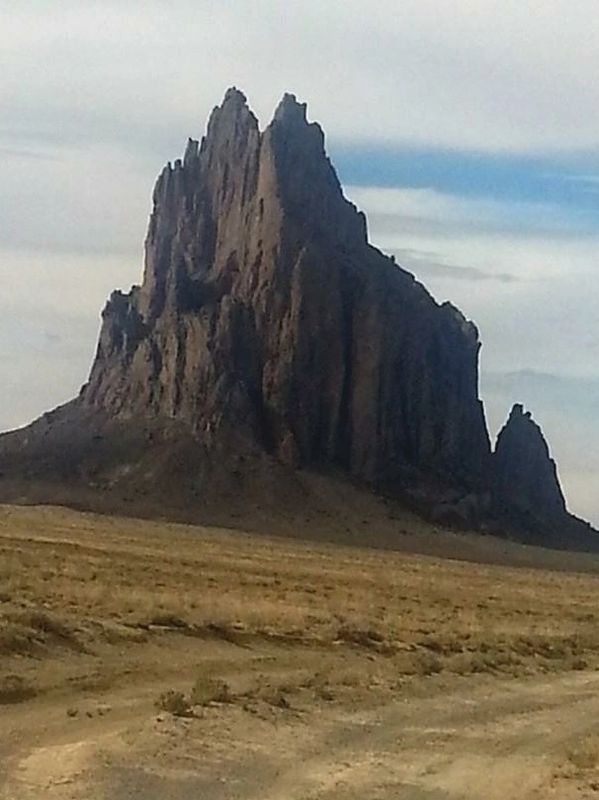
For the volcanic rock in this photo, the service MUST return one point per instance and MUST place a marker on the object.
(265, 312)
(269, 336)
(524, 475)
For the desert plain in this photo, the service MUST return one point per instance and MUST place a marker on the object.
(146, 659)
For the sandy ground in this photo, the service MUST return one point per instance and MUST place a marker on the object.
(305, 671)
(441, 740)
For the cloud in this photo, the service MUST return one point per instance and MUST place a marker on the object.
(49, 318)
(589, 183)
(591, 179)
(571, 399)
(11, 153)
(495, 77)
(445, 214)
(68, 286)
(585, 388)
(94, 200)
(430, 264)
(536, 180)
(581, 487)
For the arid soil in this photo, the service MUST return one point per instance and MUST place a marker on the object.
(151, 660)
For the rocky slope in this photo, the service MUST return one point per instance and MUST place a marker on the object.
(267, 326)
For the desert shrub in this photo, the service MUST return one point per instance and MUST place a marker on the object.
(279, 700)
(364, 637)
(428, 663)
(45, 623)
(15, 639)
(442, 645)
(15, 689)
(207, 690)
(585, 756)
(49, 626)
(167, 619)
(114, 633)
(174, 703)
(579, 664)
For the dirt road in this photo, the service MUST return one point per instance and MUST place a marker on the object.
(472, 739)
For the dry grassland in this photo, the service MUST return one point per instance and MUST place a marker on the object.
(145, 659)
(70, 582)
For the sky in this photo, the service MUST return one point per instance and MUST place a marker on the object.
(465, 129)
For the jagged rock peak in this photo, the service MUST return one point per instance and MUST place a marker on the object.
(231, 116)
(191, 151)
(235, 96)
(468, 327)
(521, 421)
(525, 475)
(290, 110)
(234, 103)
(264, 310)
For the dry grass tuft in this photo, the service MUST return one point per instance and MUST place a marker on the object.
(585, 756)
(174, 703)
(370, 638)
(15, 689)
(29, 632)
(210, 690)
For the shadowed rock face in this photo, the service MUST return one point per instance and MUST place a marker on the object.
(268, 333)
(525, 477)
(263, 309)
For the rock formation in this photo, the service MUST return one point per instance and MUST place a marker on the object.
(263, 309)
(526, 491)
(267, 324)
(524, 475)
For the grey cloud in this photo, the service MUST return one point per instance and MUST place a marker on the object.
(567, 392)
(435, 74)
(429, 264)
(47, 125)
(28, 155)
(382, 224)
(94, 201)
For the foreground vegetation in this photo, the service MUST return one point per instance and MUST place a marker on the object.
(145, 659)
(71, 582)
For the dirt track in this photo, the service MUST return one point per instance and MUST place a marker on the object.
(464, 739)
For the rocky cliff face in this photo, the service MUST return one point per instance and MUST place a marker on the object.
(264, 310)
(266, 324)
(525, 481)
